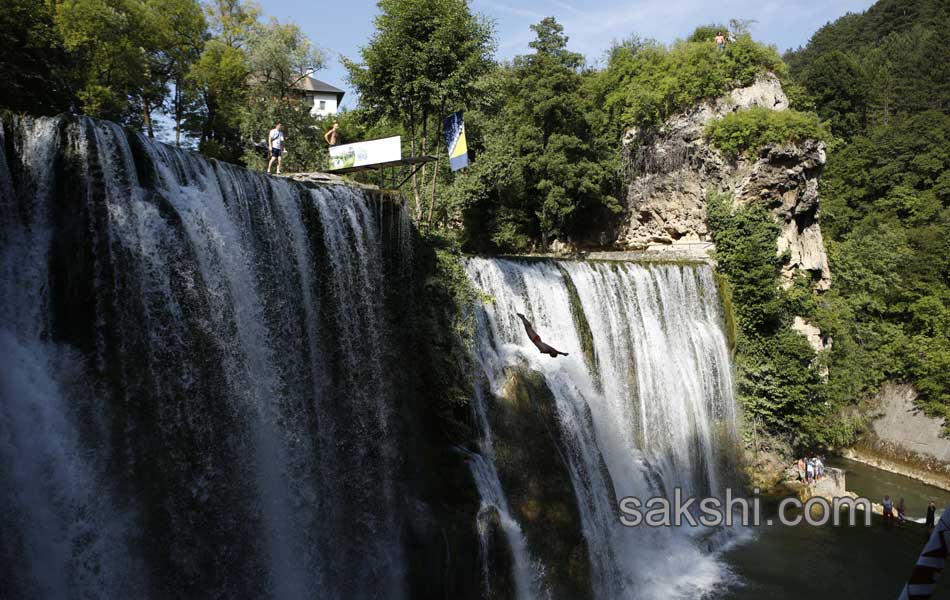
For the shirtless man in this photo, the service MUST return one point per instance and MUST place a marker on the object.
(542, 347)
(332, 136)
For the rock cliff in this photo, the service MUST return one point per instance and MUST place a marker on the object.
(671, 170)
(902, 439)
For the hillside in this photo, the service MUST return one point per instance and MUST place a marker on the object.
(881, 79)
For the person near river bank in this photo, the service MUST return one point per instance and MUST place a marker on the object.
(901, 511)
(931, 515)
(888, 507)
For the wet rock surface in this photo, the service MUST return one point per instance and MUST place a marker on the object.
(536, 478)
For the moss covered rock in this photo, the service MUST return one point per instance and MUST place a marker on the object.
(530, 457)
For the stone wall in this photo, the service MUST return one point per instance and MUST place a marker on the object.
(903, 440)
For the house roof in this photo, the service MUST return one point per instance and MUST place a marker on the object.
(310, 84)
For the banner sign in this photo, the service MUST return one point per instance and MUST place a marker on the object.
(366, 153)
(455, 140)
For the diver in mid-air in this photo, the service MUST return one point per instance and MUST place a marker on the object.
(542, 347)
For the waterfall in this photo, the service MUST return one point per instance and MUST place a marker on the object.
(646, 391)
(218, 383)
(195, 395)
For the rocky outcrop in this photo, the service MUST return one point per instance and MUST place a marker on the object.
(816, 340)
(672, 170)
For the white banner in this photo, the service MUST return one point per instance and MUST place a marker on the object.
(366, 153)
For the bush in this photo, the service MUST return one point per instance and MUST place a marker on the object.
(778, 380)
(646, 82)
(745, 131)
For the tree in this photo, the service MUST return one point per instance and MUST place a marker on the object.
(839, 87)
(127, 52)
(544, 168)
(110, 40)
(34, 66)
(181, 32)
(218, 78)
(279, 56)
(421, 63)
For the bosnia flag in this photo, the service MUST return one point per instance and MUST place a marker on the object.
(455, 140)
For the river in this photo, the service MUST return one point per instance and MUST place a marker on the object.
(837, 562)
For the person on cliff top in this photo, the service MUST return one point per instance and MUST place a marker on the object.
(888, 509)
(801, 469)
(819, 468)
(931, 515)
(810, 470)
(541, 346)
(275, 143)
(720, 40)
(332, 136)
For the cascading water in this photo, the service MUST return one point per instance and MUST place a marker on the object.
(211, 388)
(646, 391)
(195, 400)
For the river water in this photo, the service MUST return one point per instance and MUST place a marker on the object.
(831, 562)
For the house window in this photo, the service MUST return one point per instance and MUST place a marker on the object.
(323, 104)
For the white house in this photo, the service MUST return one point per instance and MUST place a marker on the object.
(323, 97)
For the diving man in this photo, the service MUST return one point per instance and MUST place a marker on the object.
(542, 347)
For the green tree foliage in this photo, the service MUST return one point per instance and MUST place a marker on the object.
(862, 30)
(865, 68)
(422, 63)
(112, 42)
(886, 206)
(218, 79)
(745, 131)
(279, 56)
(34, 65)
(646, 82)
(181, 35)
(836, 83)
(881, 80)
(778, 379)
(543, 170)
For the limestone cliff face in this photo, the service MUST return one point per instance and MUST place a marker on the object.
(904, 440)
(671, 170)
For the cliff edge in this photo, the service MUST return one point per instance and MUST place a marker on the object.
(671, 170)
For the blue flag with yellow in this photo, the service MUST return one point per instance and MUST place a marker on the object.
(455, 140)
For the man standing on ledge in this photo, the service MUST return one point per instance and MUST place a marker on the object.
(275, 142)
(332, 137)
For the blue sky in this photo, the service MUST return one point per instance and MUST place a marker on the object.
(340, 27)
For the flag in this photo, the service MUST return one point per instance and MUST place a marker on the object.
(455, 140)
